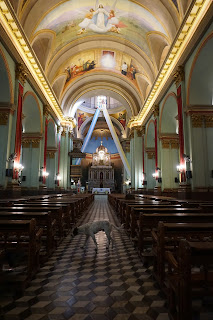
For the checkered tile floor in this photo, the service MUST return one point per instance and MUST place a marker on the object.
(80, 284)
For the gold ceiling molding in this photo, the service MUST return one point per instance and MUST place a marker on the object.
(188, 28)
(18, 38)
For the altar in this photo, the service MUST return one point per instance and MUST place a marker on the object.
(101, 172)
(101, 190)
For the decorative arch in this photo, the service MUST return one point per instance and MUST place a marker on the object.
(31, 113)
(123, 92)
(169, 115)
(8, 79)
(193, 67)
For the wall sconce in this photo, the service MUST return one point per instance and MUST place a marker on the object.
(181, 168)
(127, 182)
(18, 166)
(43, 174)
(58, 178)
(155, 175)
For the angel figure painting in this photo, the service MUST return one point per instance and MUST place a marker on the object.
(100, 20)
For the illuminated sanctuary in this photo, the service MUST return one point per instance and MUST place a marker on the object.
(101, 171)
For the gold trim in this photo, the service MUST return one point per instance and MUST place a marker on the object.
(188, 28)
(13, 29)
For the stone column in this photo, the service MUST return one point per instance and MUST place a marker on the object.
(64, 159)
(179, 77)
(143, 131)
(158, 179)
(51, 167)
(16, 127)
(169, 160)
(132, 161)
(31, 160)
(138, 166)
(126, 148)
(150, 168)
(201, 124)
(6, 120)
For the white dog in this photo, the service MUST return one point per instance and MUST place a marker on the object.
(91, 228)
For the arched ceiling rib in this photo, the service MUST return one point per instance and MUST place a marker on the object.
(102, 83)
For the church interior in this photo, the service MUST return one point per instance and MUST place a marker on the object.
(106, 113)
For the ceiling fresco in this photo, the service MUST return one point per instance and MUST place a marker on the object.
(73, 20)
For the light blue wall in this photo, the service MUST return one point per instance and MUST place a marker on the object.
(94, 144)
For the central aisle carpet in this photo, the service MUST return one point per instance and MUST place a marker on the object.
(80, 284)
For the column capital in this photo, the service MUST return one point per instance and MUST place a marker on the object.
(197, 120)
(131, 133)
(51, 152)
(4, 116)
(21, 73)
(208, 121)
(58, 128)
(156, 111)
(179, 75)
(46, 110)
(31, 138)
(138, 130)
(143, 130)
(64, 132)
(125, 145)
(150, 153)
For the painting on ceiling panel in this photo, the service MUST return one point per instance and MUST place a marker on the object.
(73, 20)
(80, 64)
(82, 116)
(121, 117)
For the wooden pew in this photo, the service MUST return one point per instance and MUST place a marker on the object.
(56, 212)
(147, 205)
(167, 237)
(66, 209)
(45, 221)
(21, 236)
(171, 209)
(147, 222)
(184, 284)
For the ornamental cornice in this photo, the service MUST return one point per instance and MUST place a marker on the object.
(179, 75)
(21, 73)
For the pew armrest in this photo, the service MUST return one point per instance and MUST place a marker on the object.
(154, 236)
(39, 234)
(171, 260)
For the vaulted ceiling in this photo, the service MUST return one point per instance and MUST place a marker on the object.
(81, 46)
